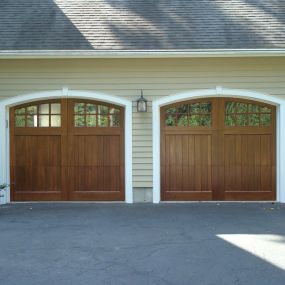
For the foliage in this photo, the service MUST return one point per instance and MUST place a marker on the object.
(3, 186)
(196, 114)
(242, 114)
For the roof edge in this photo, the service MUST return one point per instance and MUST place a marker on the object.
(41, 54)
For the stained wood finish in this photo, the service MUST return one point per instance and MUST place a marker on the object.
(218, 162)
(67, 163)
(96, 160)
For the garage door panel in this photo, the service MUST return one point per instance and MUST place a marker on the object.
(97, 166)
(188, 164)
(233, 160)
(97, 178)
(37, 165)
(97, 163)
(206, 163)
(248, 163)
(178, 161)
(88, 150)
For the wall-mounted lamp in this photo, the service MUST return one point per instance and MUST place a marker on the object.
(142, 104)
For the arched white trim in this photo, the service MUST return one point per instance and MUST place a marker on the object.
(221, 92)
(65, 93)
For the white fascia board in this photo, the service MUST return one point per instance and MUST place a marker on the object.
(10, 54)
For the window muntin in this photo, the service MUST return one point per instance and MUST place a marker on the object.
(247, 114)
(197, 114)
(95, 115)
(38, 115)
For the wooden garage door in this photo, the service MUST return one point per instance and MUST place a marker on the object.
(67, 149)
(218, 149)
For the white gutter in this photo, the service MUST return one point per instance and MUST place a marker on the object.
(38, 54)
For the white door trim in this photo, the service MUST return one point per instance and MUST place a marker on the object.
(64, 93)
(221, 92)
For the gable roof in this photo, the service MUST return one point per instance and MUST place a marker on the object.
(141, 25)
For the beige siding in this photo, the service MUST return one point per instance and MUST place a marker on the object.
(156, 77)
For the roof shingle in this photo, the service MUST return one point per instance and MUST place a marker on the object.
(141, 24)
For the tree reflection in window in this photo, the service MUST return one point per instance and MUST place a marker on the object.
(95, 115)
(247, 114)
(189, 115)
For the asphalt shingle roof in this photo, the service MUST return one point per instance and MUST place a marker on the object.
(141, 24)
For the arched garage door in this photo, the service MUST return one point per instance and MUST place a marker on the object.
(218, 149)
(67, 149)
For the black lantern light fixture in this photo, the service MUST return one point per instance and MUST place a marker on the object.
(142, 104)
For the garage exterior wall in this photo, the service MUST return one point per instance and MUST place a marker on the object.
(157, 77)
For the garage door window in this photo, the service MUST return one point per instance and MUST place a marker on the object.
(93, 115)
(247, 114)
(189, 115)
(38, 115)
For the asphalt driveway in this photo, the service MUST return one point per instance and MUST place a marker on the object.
(200, 243)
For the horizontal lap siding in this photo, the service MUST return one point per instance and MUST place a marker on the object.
(157, 77)
(142, 148)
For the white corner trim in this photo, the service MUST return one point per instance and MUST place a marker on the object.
(221, 92)
(156, 150)
(3, 151)
(65, 92)
(281, 154)
(128, 153)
